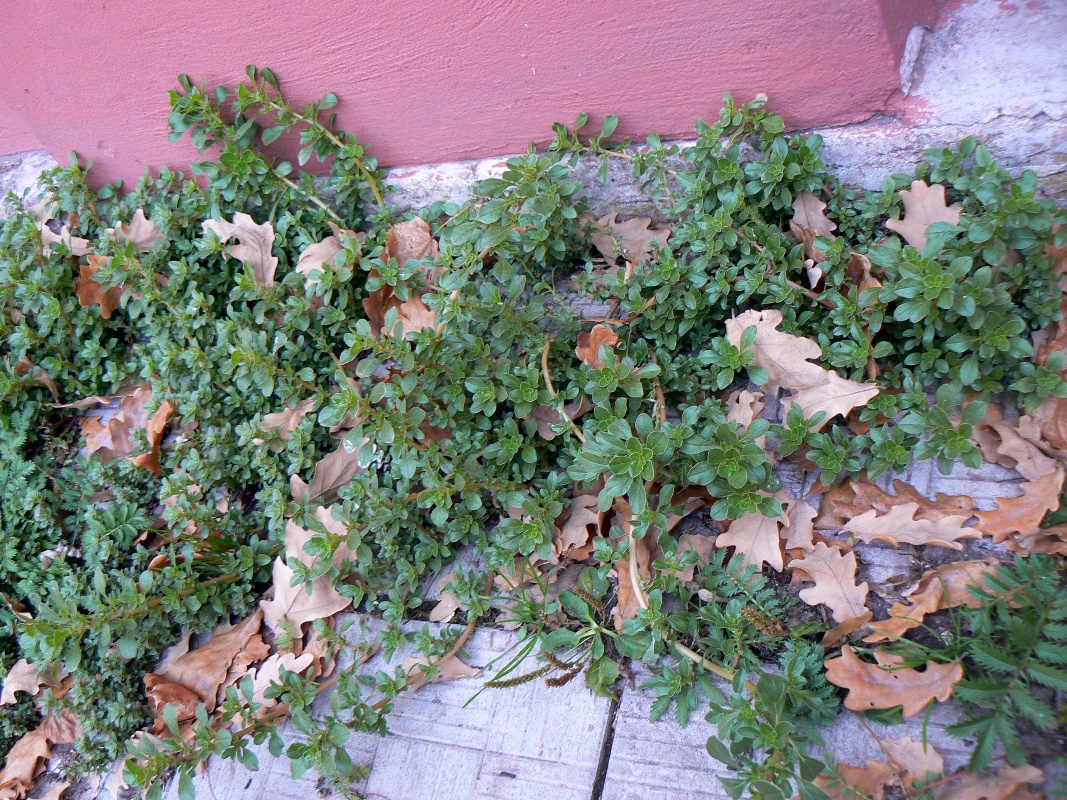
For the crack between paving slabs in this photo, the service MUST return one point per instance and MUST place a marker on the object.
(605, 747)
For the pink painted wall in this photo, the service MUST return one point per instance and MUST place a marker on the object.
(437, 80)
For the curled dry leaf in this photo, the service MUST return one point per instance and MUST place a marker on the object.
(22, 677)
(799, 528)
(858, 272)
(320, 256)
(255, 243)
(923, 206)
(25, 760)
(834, 574)
(141, 232)
(1051, 419)
(253, 652)
(114, 440)
(757, 538)
(447, 603)
(37, 374)
(91, 293)
(404, 242)
(1005, 444)
(46, 223)
(787, 361)
(285, 422)
(572, 540)
(937, 589)
(451, 668)
(886, 684)
(203, 670)
(323, 653)
(163, 692)
(809, 221)
(635, 240)
(899, 526)
(590, 342)
(1017, 518)
(743, 406)
(909, 761)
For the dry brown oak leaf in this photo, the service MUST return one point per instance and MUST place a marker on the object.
(285, 422)
(787, 360)
(447, 603)
(572, 539)
(834, 574)
(37, 374)
(270, 671)
(114, 440)
(635, 239)
(923, 206)
(1005, 444)
(799, 528)
(843, 501)
(296, 538)
(886, 684)
(1023, 515)
(331, 473)
(163, 692)
(91, 293)
(296, 604)
(909, 761)
(255, 243)
(809, 221)
(899, 526)
(447, 669)
(141, 232)
(254, 651)
(321, 256)
(937, 589)
(546, 416)
(23, 677)
(405, 241)
(24, 762)
(1051, 419)
(46, 225)
(757, 538)
(203, 670)
(743, 406)
(590, 342)
(1007, 783)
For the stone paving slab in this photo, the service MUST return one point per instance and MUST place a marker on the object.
(526, 742)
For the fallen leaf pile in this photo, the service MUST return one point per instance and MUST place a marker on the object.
(886, 684)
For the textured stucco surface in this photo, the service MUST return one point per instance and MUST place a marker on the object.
(441, 81)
